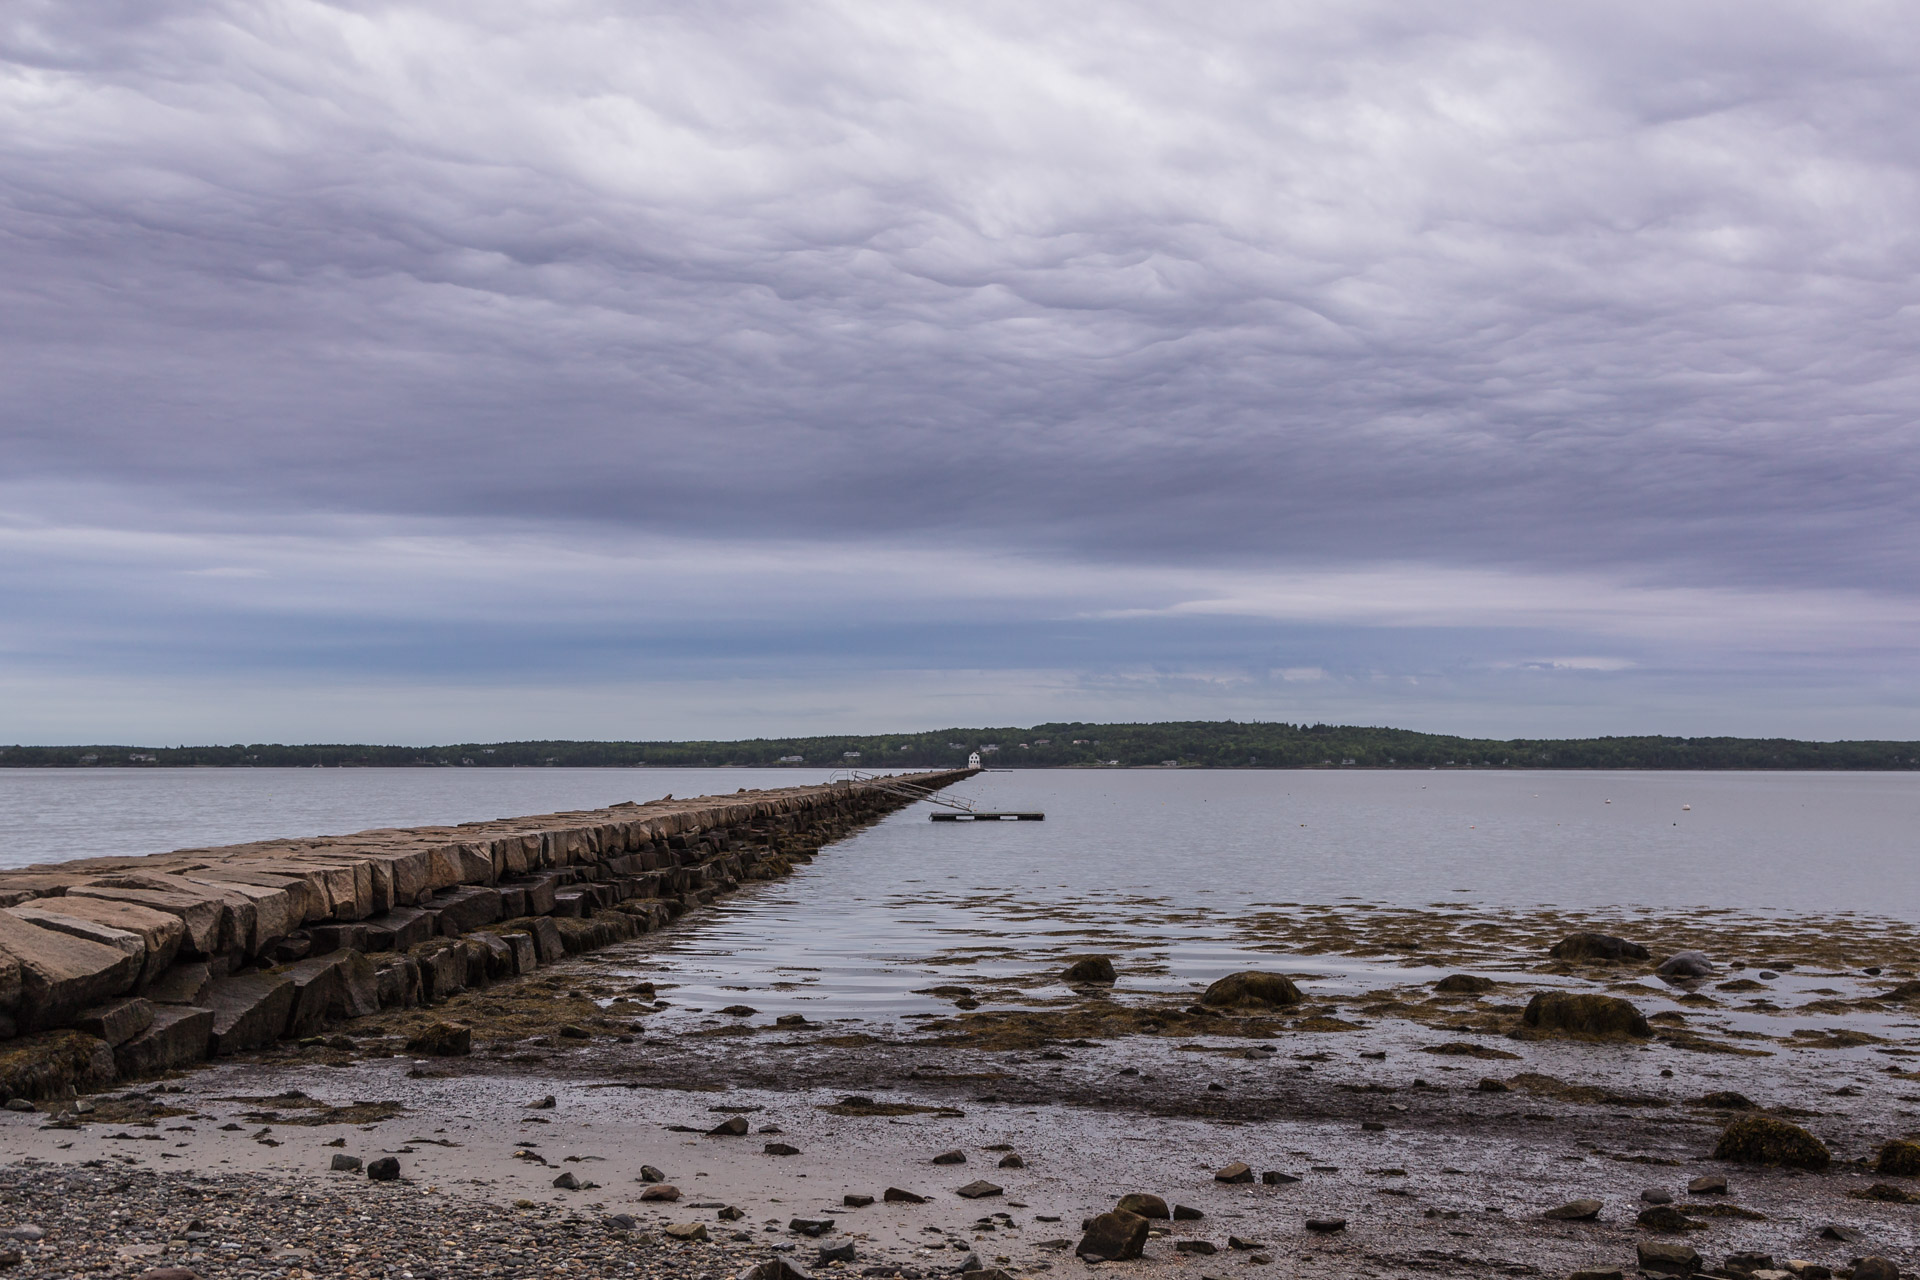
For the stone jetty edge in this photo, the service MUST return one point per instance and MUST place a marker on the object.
(118, 967)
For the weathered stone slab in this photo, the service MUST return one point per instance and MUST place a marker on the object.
(329, 988)
(526, 958)
(76, 927)
(61, 974)
(399, 929)
(54, 1063)
(397, 981)
(204, 917)
(500, 962)
(249, 1010)
(547, 942)
(443, 968)
(116, 1021)
(464, 909)
(163, 933)
(185, 983)
(180, 1034)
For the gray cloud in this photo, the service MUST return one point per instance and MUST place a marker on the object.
(1623, 294)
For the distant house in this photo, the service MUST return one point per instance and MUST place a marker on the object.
(793, 760)
(973, 761)
(849, 755)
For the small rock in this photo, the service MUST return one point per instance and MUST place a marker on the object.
(811, 1226)
(894, 1195)
(620, 1222)
(658, 1191)
(442, 1040)
(1489, 1085)
(1238, 1171)
(385, 1169)
(1205, 1248)
(1615, 1274)
(1662, 1257)
(1113, 1237)
(1686, 964)
(345, 1164)
(774, 1269)
(979, 1188)
(28, 1233)
(1664, 1217)
(1143, 1204)
(730, 1213)
(739, 1011)
(1834, 1231)
(1372, 1126)
(792, 1020)
(1235, 1242)
(1275, 1178)
(1260, 1259)
(780, 1149)
(1725, 1100)
(856, 1202)
(1748, 1262)
(169, 1273)
(951, 1157)
(650, 1174)
(1463, 984)
(1012, 1161)
(1806, 1270)
(1326, 1226)
(1252, 989)
(1092, 969)
(1875, 1268)
(1708, 1184)
(20, 1104)
(1575, 1211)
(573, 1032)
(732, 1127)
(1598, 946)
(1656, 1195)
(567, 1182)
(545, 1104)
(1184, 1213)
(686, 1230)
(835, 1253)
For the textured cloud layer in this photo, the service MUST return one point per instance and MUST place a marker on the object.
(1573, 323)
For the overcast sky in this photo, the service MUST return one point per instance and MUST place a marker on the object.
(426, 372)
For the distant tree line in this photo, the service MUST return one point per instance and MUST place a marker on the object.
(1186, 744)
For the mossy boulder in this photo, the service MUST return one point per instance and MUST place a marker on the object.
(1584, 1014)
(1764, 1140)
(1095, 969)
(442, 1040)
(1252, 989)
(54, 1064)
(1899, 1159)
(1464, 984)
(1598, 946)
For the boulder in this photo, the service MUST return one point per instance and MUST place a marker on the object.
(1575, 1211)
(1767, 1141)
(1665, 1217)
(978, 1189)
(178, 1035)
(1584, 1014)
(1252, 989)
(249, 1010)
(344, 1163)
(59, 974)
(1667, 1258)
(53, 1064)
(1898, 1158)
(1114, 1237)
(1464, 984)
(1876, 1268)
(1238, 1171)
(661, 1191)
(442, 1040)
(1092, 969)
(1598, 946)
(385, 1169)
(895, 1195)
(396, 979)
(117, 1021)
(1686, 964)
(951, 1157)
(1143, 1205)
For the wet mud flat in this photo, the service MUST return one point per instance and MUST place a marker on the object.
(1435, 1125)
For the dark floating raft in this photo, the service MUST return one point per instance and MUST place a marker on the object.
(988, 817)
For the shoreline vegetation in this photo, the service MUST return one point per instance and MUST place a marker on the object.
(1180, 744)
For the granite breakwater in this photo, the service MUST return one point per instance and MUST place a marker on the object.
(121, 967)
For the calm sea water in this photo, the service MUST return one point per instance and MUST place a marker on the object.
(1168, 859)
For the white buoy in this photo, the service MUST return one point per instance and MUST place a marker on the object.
(1686, 808)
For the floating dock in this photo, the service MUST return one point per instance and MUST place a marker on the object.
(987, 817)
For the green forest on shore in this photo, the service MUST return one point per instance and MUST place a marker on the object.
(1185, 744)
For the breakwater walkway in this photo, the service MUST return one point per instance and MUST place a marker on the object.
(117, 967)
